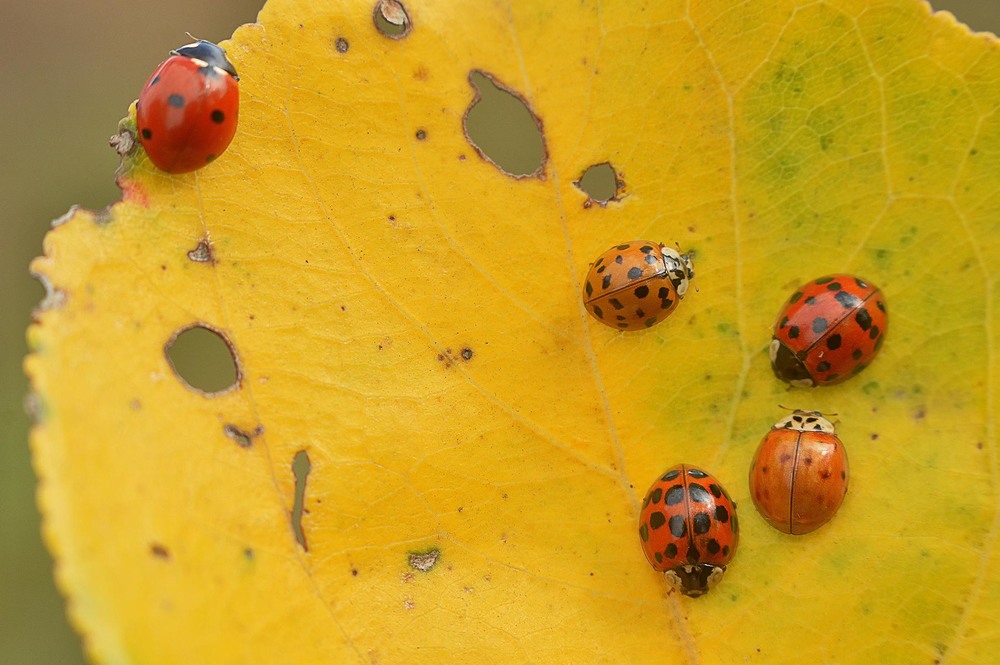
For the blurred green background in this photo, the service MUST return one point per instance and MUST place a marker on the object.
(68, 71)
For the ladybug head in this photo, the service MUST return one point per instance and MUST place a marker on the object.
(210, 54)
(788, 367)
(806, 421)
(680, 270)
(694, 579)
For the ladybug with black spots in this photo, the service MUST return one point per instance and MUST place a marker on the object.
(830, 329)
(187, 112)
(688, 529)
(799, 474)
(635, 285)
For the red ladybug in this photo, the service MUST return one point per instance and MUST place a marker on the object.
(830, 329)
(688, 529)
(188, 109)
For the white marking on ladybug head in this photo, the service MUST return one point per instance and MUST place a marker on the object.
(773, 350)
(801, 383)
(674, 580)
(680, 270)
(806, 421)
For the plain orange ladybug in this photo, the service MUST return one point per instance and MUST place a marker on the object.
(635, 285)
(799, 474)
(829, 330)
(688, 529)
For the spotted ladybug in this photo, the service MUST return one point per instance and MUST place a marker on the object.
(830, 329)
(799, 474)
(635, 285)
(688, 529)
(187, 112)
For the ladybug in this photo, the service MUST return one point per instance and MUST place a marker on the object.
(635, 285)
(688, 529)
(798, 477)
(830, 329)
(187, 111)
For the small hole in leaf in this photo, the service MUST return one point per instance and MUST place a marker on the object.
(599, 182)
(300, 468)
(502, 128)
(391, 19)
(203, 359)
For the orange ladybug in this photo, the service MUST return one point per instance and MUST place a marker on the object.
(688, 529)
(635, 285)
(798, 477)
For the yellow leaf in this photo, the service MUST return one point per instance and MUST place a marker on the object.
(470, 447)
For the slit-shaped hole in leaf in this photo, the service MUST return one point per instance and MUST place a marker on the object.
(502, 128)
(203, 359)
(599, 182)
(391, 19)
(300, 468)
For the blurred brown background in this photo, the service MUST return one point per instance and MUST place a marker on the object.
(68, 71)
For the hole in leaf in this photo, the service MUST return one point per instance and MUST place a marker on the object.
(502, 128)
(300, 468)
(599, 182)
(242, 438)
(391, 19)
(202, 253)
(203, 359)
(424, 561)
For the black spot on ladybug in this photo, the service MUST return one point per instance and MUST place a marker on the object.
(825, 474)
(763, 469)
(878, 344)
(658, 557)
(820, 324)
(824, 280)
(843, 475)
(678, 528)
(833, 286)
(657, 520)
(156, 79)
(634, 273)
(725, 552)
(670, 475)
(147, 133)
(693, 555)
(218, 117)
(699, 494)
(785, 458)
(651, 259)
(175, 100)
(619, 317)
(808, 460)
(784, 322)
(858, 368)
(833, 377)
(811, 300)
(864, 319)
(644, 533)
(701, 523)
(880, 305)
(588, 288)
(713, 546)
(795, 298)
(598, 312)
(721, 514)
(793, 332)
(848, 300)
(874, 332)
(623, 326)
(646, 249)
(616, 303)
(823, 367)
(697, 473)
(639, 314)
(675, 495)
(601, 269)
(619, 259)
(209, 158)
(651, 322)
(622, 247)
(715, 490)
(857, 354)
(641, 291)
(656, 495)
(670, 551)
(860, 282)
(606, 282)
(598, 261)
(664, 292)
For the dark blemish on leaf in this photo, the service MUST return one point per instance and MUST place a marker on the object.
(204, 359)
(421, 134)
(874, 436)
(202, 253)
(300, 468)
(600, 183)
(242, 438)
(160, 551)
(920, 413)
(391, 19)
(504, 131)
(467, 354)
(424, 561)
(341, 45)
(248, 553)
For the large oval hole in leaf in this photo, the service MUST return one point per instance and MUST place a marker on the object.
(203, 359)
(503, 130)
